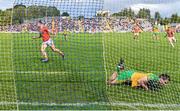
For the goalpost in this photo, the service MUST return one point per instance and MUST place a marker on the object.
(93, 48)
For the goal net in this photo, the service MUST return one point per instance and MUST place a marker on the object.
(76, 81)
(85, 55)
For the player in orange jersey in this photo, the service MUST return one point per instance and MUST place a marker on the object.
(47, 41)
(170, 35)
(136, 31)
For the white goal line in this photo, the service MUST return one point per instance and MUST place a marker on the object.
(158, 105)
(53, 72)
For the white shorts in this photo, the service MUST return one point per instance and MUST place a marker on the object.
(171, 39)
(136, 34)
(48, 43)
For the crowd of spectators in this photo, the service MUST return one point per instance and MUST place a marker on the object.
(93, 25)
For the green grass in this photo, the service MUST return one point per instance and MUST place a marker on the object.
(148, 56)
(81, 77)
(7, 85)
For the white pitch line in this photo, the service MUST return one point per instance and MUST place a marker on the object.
(55, 72)
(158, 105)
(33, 72)
(146, 105)
(38, 72)
(104, 58)
(14, 81)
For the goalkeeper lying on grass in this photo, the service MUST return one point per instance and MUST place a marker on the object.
(138, 79)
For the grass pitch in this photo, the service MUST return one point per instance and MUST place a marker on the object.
(145, 55)
(78, 82)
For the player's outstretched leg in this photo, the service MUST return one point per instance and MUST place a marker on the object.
(174, 40)
(172, 44)
(171, 41)
(43, 53)
(54, 49)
